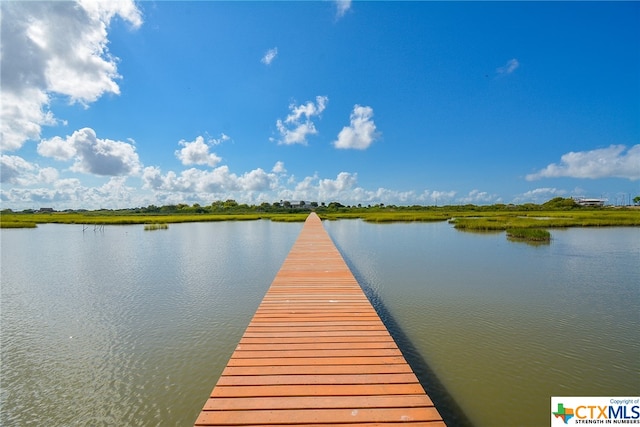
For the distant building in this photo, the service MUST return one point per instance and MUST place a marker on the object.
(46, 210)
(591, 202)
(302, 205)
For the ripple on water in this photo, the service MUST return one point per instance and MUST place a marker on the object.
(126, 327)
(134, 328)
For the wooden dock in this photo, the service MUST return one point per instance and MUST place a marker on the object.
(316, 353)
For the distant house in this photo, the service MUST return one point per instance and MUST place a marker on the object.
(293, 205)
(46, 210)
(591, 202)
(302, 205)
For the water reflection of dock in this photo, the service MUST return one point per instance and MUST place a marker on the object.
(316, 353)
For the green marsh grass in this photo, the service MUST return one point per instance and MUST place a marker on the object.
(300, 217)
(469, 218)
(417, 216)
(156, 226)
(545, 219)
(529, 234)
(92, 218)
(17, 224)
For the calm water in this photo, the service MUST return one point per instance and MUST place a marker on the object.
(502, 326)
(127, 327)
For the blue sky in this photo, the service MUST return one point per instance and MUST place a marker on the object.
(122, 104)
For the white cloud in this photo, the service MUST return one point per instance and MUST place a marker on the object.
(307, 184)
(361, 133)
(614, 161)
(218, 141)
(269, 56)
(203, 186)
(58, 148)
(342, 6)
(67, 184)
(214, 183)
(437, 197)
(295, 128)
(544, 192)
(479, 197)
(105, 10)
(13, 167)
(197, 153)
(23, 115)
(258, 185)
(152, 178)
(509, 67)
(297, 134)
(70, 193)
(48, 175)
(54, 48)
(345, 181)
(279, 167)
(256, 180)
(344, 188)
(14, 170)
(539, 195)
(93, 155)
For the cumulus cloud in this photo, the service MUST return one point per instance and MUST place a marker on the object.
(105, 10)
(26, 185)
(256, 180)
(13, 167)
(295, 128)
(437, 197)
(218, 141)
(48, 175)
(14, 170)
(67, 184)
(197, 153)
(479, 197)
(345, 181)
(509, 67)
(344, 188)
(93, 155)
(23, 115)
(279, 167)
(258, 185)
(545, 192)
(54, 48)
(269, 56)
(70, 193)
(615, 161)
(361, 132)
(58, 148)
(342, 6)
(539, 195)
(212, 182)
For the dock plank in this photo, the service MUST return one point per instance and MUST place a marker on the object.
(298, 379)
(317, 354)
(315, 415)
(333, 402)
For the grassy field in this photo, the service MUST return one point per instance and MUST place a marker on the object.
(497, 221)
(17, 224)
(529, 234)
(468, 218)
(15, 219)
(155, 226)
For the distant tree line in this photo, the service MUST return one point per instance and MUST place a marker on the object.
(231, 206)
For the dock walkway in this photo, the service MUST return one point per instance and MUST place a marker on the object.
(316, 353)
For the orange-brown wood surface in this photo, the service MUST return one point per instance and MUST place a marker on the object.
(316, 354)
